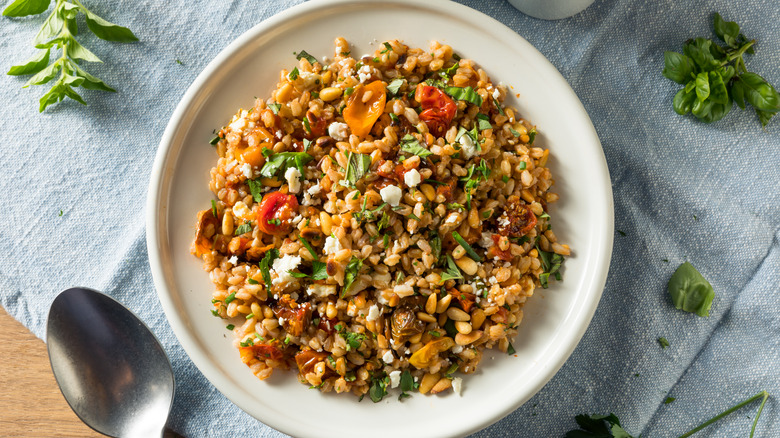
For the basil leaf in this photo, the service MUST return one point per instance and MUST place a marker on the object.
(303, 54)
(663, 342)
(483, 122)
(265, 266)
(23, 8)
(407, 381)
(91, 82)
(759, 93)
(306, 243)
(32, 65)
(278, 163)
(677, 67)
(350, 274)
(764, 116)
(378, 389)
(726, 30)
(410, 145)
(357, 166)
(718, 92)
(395, 86)
(683, 101)
(214, 208)
(726, 73)
(738, 93)
(690, 291)
(256, 189)
(106, 30)
(51, 28)
(44, 75)
(275, 107)
(699, 51)
(74, 50)
(293, 74)
(468, 94)
(243, 229)
(702, 86)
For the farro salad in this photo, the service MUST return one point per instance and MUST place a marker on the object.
(380, 221)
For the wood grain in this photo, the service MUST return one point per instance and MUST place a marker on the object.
(31, 404)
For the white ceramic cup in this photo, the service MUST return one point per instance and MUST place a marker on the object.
(551, 9)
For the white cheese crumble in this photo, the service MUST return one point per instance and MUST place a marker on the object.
(457, 349)
(486, 240)
(412, 178)
(309, 78)
(233, 260)
(332, 245)
(321, 290)
(238, 125)
(364, 73)
(496, 93)
(457, 385)
(373, 313)
(313, 190)
(388, 357)
(339, 131)
(395, 378)
(240, 210)
(282, 266)
(391, 194)
(246, 169)
(293, 177)
(468, 147)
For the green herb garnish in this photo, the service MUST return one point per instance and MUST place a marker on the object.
(256, 189)
(265, 266)
(394, 87)
(275, 107)
(468, 94)
(351, 273)
(407, 384)
(690, 291)
(252, 281)
(452, 272)
(669, 400)
(357, 166)
(303, 54)
(306, 243)
(293, 74)
(663, 342)
(243, 228)
(483, 122)
(715, 76)
(410, 145)
(58, 32)
(214, 208)
(278, 163)
(230, 298)
(510, 350)
(551, 265)
(469, 250)
(378, 388)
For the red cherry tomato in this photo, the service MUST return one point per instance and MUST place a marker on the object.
(276, 211)
(438, 108)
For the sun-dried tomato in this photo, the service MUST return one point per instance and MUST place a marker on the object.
(518, 219)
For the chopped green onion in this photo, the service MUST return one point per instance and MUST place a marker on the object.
(469, 250)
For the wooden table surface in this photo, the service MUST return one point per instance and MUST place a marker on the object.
(31, 404)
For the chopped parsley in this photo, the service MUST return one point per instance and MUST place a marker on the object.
(214, 140)
(230, 326)
(551, 263)
(532, 135)
(353, 340)
(265, 266)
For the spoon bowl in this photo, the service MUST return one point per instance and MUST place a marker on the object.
(110, 368)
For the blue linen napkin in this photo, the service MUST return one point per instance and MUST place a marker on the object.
(75, 178)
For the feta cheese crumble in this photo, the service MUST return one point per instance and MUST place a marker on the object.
(468, 147)
(373, 313)
(395, 378)
(246, 169)
(412, 178)
(282, 266)
(388, 357)
(391, 194)
(457, 385)
(332, 245)
(293, 177)
(339, 131)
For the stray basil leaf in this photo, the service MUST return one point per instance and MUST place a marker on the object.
(256, 189)
(690, 291)
(468, 94)
(214, 208)
(510, 350)
(278, 163)
(265, 266)
(106, 30)
(394, 86)
(23, 8)
(293, 75)
(319, 270)
(303, 54)
(378, 388)
(677, 67)
(351, 273)
(598, 426)
(410, 145)
(32, 65)
(243, 229)
(483, 122)
(663, 342)
(357, 166)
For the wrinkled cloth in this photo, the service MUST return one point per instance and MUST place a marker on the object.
(74, 181)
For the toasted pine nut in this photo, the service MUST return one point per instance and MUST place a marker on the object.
(463, 327)
(430, 305)
(428, 191)
(462, 339)
(330, 93)
(443, 303)
(227, 223)
(456, 314)
(467, 265)
(426, 317)
(428, 381)
(441, 385)
(477, 318)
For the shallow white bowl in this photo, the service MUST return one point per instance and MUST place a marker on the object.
(555, 319)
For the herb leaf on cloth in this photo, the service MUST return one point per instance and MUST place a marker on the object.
(690, 291)
(58, 32)
(598, 426)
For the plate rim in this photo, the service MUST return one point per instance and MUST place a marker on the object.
(157, 198)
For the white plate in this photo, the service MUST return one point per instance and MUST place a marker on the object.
(555, 319)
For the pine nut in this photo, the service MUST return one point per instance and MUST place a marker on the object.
(330, 93)
(428, 381)
(443, 304)
(430, 305)
(456, 314)
(463, 327)
(467, 265)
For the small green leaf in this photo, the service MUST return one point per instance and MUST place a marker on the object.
(759, 93)
(728, 31)
(468, 94)
(106, 30)
(23, 8)
(54, 95)
(718, 92)
(32, 65)
(738, 93)
(44, 75)
(683, 101)
(91, 82)
(702, 86)
(74, 50)
(304, 54)
(699, 50)
(410, 145)
(690, 291)
(394, 86)
(677, 67)
(764, 116)
(663, 342)
(51, 28)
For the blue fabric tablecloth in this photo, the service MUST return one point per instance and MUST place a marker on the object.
(708, 194)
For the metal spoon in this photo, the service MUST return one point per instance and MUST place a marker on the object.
(111, 369)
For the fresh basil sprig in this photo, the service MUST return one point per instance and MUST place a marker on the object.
(716, 76)
(58, 32)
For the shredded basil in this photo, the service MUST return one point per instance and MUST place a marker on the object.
(256, 189)
(351, 273)
(308, 246)
(303, 54)
(243, 229)
(265, 266)
(357, 166)
(293, 74)
(410, 145)
(483, 122)
(468, 94)
(213, 208)
(275, 107)
(395, 86)
(278, 163)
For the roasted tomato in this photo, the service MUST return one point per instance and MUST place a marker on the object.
(295, 317)
(438, 108)
(447, 189)
(201, 245)
(307, 359)
(260, 351)
(276, 211)
(328, 325)
(495, 251)
(365, 105)
(318, 126)
(517, 220)
(466, 300)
